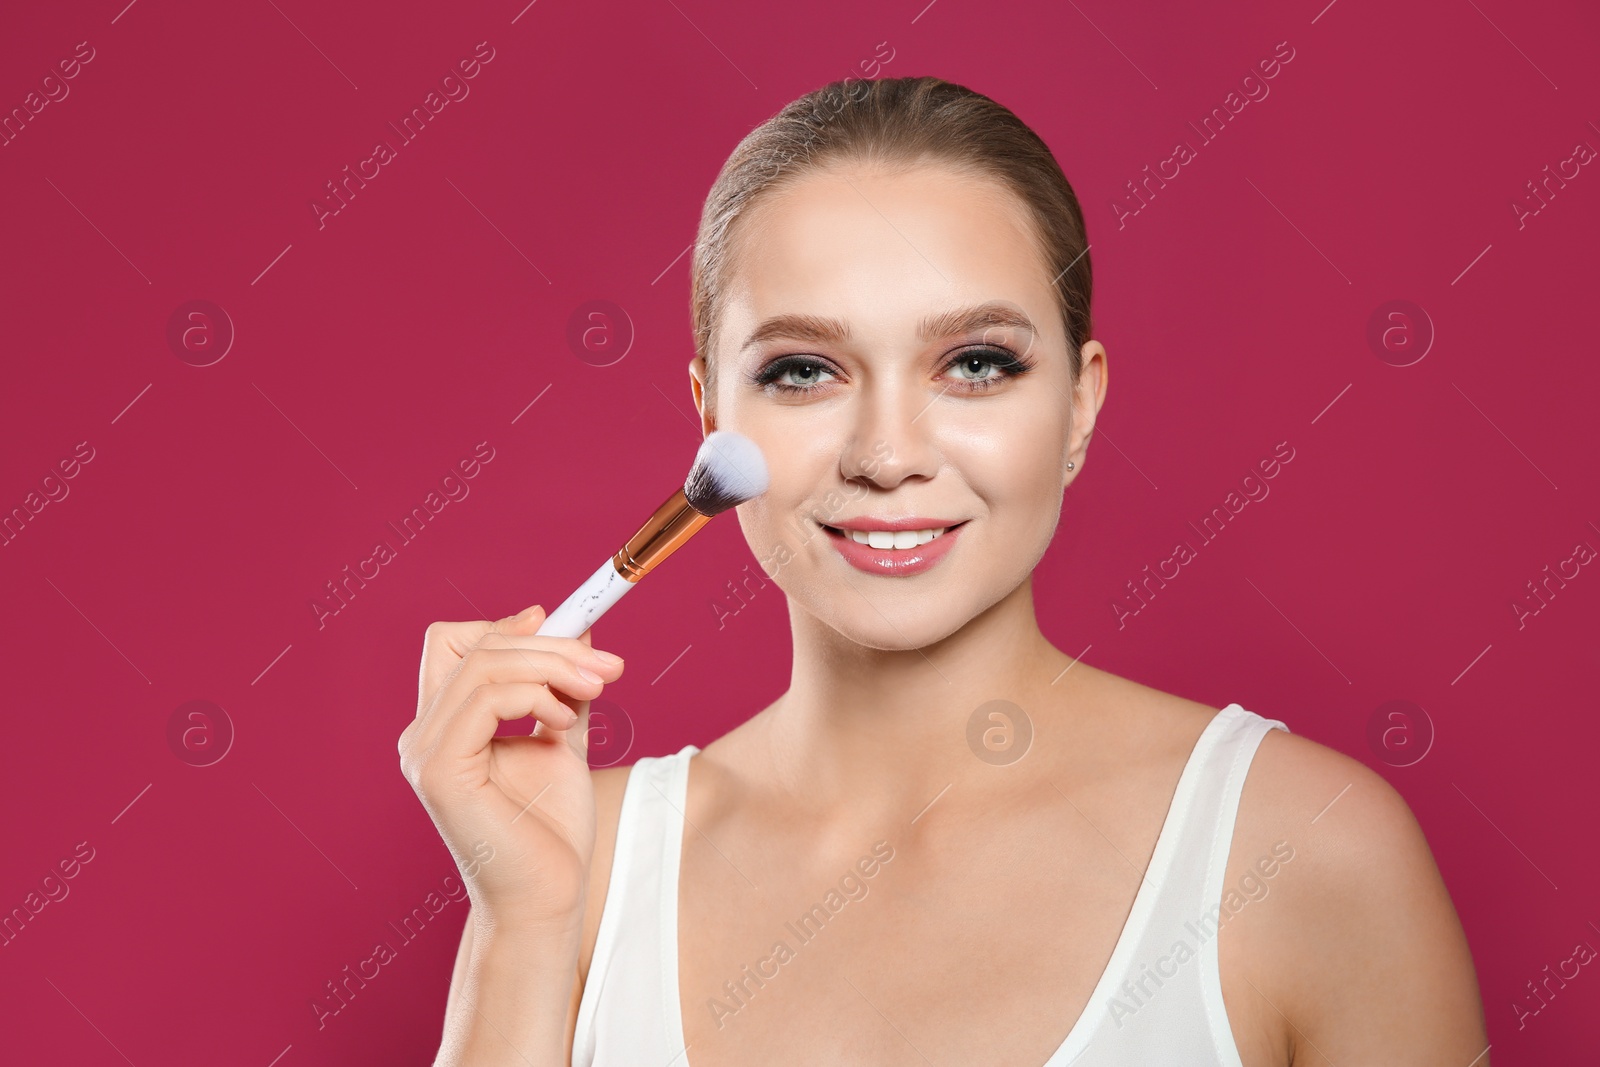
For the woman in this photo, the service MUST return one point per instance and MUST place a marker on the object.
(947, 841)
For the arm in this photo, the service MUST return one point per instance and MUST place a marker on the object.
(609, 785)
(512, 998)
(1369, 963)
(458, 976)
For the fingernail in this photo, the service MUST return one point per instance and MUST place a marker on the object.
(588, 675)
(610, 657)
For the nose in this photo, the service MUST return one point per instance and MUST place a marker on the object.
(893, 436)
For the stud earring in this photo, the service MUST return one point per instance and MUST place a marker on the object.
(1070, 464)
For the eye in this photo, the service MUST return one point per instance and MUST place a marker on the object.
(792, 374)
(977, 369)
(987, 366)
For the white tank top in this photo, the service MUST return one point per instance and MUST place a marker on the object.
(1159, 999)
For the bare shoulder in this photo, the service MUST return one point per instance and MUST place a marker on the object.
(1360, 947)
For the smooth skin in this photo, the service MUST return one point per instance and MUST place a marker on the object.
(981, 940)
(518, 816)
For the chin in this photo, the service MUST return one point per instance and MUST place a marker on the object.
(897, 624)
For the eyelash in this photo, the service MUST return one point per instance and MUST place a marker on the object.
(1000, 358)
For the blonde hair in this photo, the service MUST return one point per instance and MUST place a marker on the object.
(898, 121)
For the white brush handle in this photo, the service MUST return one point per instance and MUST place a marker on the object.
(591, 600)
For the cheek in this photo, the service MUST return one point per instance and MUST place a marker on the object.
(1011, 459)
(761, 522)
(1015, 466)
(801, 449)
(794, 477)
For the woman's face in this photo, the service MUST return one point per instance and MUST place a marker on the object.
(892, 343)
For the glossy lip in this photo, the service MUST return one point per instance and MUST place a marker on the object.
(895, 562)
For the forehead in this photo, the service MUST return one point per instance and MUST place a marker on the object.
(881, 249)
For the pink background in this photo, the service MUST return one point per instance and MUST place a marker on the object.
(376, 351)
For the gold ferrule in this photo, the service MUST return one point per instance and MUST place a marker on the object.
(673, 523)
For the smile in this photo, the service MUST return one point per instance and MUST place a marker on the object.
(891, 538)
(894, 553)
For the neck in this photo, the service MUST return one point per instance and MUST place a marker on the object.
(882, 733)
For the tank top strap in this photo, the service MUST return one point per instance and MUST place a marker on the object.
(1200, 859)
(628, 1005)
(1192, 903)
(1212, 837)
(1205, 808)
(1160, 997)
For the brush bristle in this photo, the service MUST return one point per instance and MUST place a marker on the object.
(728, 470)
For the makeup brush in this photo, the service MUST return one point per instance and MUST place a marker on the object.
(728, 470)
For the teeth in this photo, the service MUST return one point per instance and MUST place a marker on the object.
(894, 538)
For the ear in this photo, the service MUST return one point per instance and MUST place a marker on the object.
(697, 380)
(1087, 398)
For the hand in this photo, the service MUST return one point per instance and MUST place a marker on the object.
(517, 813)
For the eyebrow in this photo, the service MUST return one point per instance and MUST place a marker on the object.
(816, 329)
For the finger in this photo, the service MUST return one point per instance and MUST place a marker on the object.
(605, 663)
(529, 622)
(471, 726)
(445, 643)
(488, 666)
(577, 735)
(526, 621)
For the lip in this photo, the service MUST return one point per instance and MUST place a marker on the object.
(895, 562)
(915, 522)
